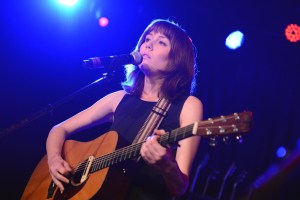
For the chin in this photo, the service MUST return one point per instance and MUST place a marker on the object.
(144, 66)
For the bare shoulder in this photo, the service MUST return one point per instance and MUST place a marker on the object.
(114, 97)
(118, 95)
(192, 111)
(192, 103)
(112, 100)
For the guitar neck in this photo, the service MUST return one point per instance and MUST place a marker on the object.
(133, 151)
(220, 126)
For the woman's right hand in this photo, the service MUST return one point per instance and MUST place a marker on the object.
(59, 171)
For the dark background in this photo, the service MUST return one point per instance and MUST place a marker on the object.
(43, 45)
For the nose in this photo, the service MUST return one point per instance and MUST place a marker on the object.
(149, 45)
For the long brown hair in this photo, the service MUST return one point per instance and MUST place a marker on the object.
(180, 79)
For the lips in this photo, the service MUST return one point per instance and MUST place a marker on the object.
(146, 56)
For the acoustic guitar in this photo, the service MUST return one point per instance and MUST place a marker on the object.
(91, 161)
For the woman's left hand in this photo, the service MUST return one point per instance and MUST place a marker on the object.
(154, 154)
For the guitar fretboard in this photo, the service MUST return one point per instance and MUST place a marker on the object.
(133, 150)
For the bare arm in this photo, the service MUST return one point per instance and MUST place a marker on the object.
(176, 170)
(101, 111)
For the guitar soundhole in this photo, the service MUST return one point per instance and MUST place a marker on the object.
(75, 185)
(76, 178)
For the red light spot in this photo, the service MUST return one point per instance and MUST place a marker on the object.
(292, 33)
(103, 21)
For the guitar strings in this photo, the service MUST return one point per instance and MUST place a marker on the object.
(121, 154)
(117, 156)
(126, 152)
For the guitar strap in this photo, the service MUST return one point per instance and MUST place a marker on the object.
(159, 111)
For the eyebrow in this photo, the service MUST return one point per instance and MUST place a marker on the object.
(160, 35)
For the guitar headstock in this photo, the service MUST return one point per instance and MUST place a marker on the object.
(236, 124)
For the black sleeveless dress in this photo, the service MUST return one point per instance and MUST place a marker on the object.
(147, 183)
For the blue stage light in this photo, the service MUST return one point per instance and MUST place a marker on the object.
(298, 143)
(281, 152)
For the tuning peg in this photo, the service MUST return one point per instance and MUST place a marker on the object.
(212, 141)
(236, 116)
(239, 138)
(223, 118)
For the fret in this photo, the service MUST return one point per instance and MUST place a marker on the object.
(135, 151)
(127, 153)
(121, 154)
(116, 157)
(131, 152)
(102, 163)
(109, 160)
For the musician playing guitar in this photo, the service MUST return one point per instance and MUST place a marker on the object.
(167, 70)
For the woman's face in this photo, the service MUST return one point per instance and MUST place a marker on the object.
(155, 51)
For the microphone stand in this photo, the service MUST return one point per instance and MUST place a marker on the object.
(212, 176)
(229, 172)
(50, 107)
(200, 166)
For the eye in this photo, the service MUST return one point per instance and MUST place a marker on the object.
(147, 39)
(162, 43)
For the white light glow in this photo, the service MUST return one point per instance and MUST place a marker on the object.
(234, 40)
(68, 2)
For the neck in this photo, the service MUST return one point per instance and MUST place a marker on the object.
(152, 89)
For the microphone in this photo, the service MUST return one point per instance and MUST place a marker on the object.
(112, 62)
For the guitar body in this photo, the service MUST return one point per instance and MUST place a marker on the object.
(74, 152)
